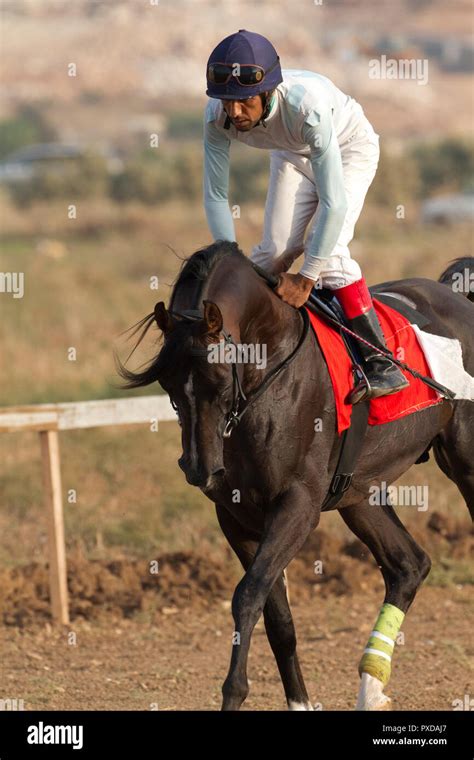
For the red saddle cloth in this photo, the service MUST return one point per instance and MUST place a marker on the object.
(402, 341)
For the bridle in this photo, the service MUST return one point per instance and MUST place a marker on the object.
(241, 402)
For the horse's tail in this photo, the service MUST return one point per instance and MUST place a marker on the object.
(459, 275)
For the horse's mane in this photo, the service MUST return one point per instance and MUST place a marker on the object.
(195, 269)
(198, 267)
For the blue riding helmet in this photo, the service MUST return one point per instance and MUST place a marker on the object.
(243, 65)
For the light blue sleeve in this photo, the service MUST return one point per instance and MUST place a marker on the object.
(326, 162)
(216, 182)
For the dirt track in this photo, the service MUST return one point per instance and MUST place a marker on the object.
(180, 661)
(163, 641)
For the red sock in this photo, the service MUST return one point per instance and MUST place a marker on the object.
(355, 299)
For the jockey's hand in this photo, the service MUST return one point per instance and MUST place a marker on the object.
(294, 289)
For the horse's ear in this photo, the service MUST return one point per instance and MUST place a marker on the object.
(162, 317)
(212, 318)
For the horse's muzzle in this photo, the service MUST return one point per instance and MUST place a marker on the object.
(198, 477)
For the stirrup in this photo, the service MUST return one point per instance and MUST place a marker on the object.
(362, 389)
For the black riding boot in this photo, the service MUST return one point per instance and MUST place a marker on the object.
(383, 375)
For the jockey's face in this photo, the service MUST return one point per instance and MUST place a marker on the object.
(244, 114)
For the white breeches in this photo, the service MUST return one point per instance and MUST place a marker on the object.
(292, 202)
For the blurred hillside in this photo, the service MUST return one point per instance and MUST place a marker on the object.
(136, 59)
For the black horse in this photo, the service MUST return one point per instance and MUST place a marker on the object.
(269, 479)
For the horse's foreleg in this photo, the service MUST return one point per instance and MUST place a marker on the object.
(287, 526)
(277, 614)
(282, 637)
(404, 566)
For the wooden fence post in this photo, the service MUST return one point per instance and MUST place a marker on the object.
(48, 419)
(54, 507)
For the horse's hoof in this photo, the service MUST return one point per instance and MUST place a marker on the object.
(386, 704)
(371, 696)
(298, 706)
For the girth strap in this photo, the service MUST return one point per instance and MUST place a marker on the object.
(351, 446)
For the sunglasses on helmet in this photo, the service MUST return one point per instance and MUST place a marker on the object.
(247, 74)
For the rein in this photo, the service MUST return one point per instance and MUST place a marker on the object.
(241, 402)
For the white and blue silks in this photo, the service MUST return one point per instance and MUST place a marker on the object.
(323, 157)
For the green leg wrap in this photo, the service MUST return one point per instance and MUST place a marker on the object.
(377, 656)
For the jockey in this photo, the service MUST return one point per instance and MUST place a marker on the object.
(323, 158)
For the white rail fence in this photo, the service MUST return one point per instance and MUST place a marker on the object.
(48, 420)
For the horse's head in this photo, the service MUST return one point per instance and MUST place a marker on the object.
(200, 390)
(216, 291)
